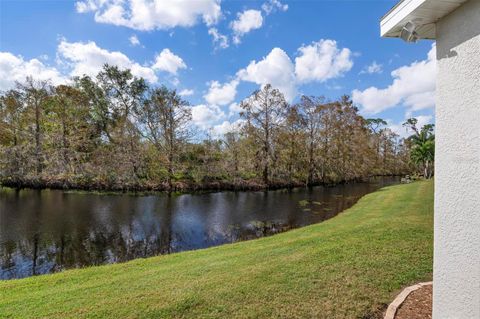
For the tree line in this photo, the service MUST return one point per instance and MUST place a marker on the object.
(114, 131)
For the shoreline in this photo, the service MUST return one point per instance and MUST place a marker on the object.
(178, 187)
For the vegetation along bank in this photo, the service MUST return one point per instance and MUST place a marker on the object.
(115, 132)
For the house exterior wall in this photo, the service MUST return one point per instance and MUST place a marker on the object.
(456, 289)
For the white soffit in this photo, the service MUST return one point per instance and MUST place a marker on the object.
(423, 13)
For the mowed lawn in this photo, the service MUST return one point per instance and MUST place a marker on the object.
(348, 267)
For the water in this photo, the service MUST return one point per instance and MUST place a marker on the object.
(51, 230)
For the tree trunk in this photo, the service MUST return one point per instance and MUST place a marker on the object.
(427, 169)
(235, 159)
(38, 146)
(310, 164)
(65, 145)
(265, 174)
(170, 167)
(266, 158)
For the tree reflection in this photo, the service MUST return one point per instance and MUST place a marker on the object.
(49, 231)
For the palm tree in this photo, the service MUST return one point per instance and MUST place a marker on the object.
(423, 154)
(423, 149)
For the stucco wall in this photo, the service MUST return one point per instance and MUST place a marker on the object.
(457, 167)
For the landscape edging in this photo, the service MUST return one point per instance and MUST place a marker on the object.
(398, 301)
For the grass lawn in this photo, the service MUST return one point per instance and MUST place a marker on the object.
(347, 267)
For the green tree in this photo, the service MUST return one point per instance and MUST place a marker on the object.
(423, 146)
(165, 119)
(312, 108)
(70, 129)
(115, 131)
(34, 95)
(291, 142)
(232, 146)
(13, 133)
(125, 95)
(377, 127)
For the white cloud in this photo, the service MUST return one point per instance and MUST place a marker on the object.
(83, 58)
(413, 86)
(226, 127)
(174, 80)
(86, 6)
(372, 68)
(168, 62)
(403, 131)
(234, 109)
(420, 101)
(147, 15)
(423, 120)
(220, 40)
(16, 68)
(87, 58)
(221, 94)
(247, 21)
(205, 116)
(134, 40)
(276, 69)
(321, 61)
(186, 92)
(273, 5)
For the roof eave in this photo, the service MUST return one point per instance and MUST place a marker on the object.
(390, 25)
(424, 13)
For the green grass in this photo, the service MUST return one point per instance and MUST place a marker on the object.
(347, 267)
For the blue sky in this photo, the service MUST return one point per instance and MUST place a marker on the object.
(318, 47)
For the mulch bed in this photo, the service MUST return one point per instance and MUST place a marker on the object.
(418, 305)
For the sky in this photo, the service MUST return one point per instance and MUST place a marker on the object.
(215, 53)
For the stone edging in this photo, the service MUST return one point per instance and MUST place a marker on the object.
(397, 302)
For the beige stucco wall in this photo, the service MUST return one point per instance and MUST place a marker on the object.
(457, 166)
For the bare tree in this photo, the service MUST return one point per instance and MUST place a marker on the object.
(118, 94)
(312, 109)
(265, 111)
(112, 131)
(232, 145)
(35, 94)
(165, 119)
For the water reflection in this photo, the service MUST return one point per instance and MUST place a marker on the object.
(48, 231)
